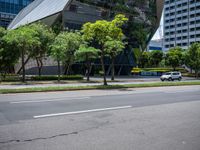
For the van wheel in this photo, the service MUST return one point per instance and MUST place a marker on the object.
(179, 79)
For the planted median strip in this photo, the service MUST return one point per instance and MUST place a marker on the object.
(67, 88)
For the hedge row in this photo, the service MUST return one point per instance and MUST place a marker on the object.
(161, 70)
(10, 78)
(13, 78)
(63, 77)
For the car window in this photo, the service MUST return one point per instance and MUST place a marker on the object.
(176, 73)
(168, 73)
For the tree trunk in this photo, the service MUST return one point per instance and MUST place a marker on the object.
(20, 69)
(88, 69)
(103, 69)
(39, 65)
(40, 71)
(113, 68)
(196, 73)
(40, 68)
(58, 70)
(68, 69)
(23, 66)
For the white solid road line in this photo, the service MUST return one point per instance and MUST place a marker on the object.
(81, 112)
(42, 101)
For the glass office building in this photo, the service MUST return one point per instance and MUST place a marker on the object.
(181, 23)
(9, 9)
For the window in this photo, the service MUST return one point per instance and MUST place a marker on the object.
(184, 24)
(184, 30)
(192, 29)
(166, 46)
(192, 36)
(175, 74)
(184, 17)
(184, 37)
(179, 44)
(184, 44)
(171, 45)
(192, 22)
(178, 38)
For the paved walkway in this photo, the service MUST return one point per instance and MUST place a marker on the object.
(121, 81)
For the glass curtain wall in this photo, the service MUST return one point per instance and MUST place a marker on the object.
(9, 9)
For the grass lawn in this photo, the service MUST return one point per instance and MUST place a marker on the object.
(49, 89)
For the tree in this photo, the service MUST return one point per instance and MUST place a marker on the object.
(174, 57)
(113, 48)
(45, 36)
(2, 33)
(136, 54)
(8, 55)
(8, 58)
(72, 43)
(144, 59)
(63, 49)
(87, 54)
(57, 50)
(97, 34)
(23, 39)
(155, 57)
(192, 58)
(141, 36)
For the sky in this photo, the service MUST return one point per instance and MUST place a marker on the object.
(157, 34)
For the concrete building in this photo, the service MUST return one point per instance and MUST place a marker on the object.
(9, 9)
(181, 23)
(156, 44)
(72, 14)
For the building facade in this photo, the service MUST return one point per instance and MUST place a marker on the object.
(156, 44)
(181, 23)
(144, 18)
(9, 9)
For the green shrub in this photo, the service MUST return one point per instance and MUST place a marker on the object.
(51, 77)
(10, 78)
(189, 75)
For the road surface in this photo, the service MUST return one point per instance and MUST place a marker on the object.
(142, 119)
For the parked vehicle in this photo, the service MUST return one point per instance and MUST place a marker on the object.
(171, 76)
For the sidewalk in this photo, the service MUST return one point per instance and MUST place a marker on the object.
(119, 81)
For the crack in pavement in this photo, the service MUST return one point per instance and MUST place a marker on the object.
(55, 136)
(41, 138)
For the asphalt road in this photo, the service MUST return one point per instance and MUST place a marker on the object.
(147, 119)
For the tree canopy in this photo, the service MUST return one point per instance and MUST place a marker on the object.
(193, 57)
(87, 54)
(156, 57)
(22, 40)
(98, 33)
(174, 57)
